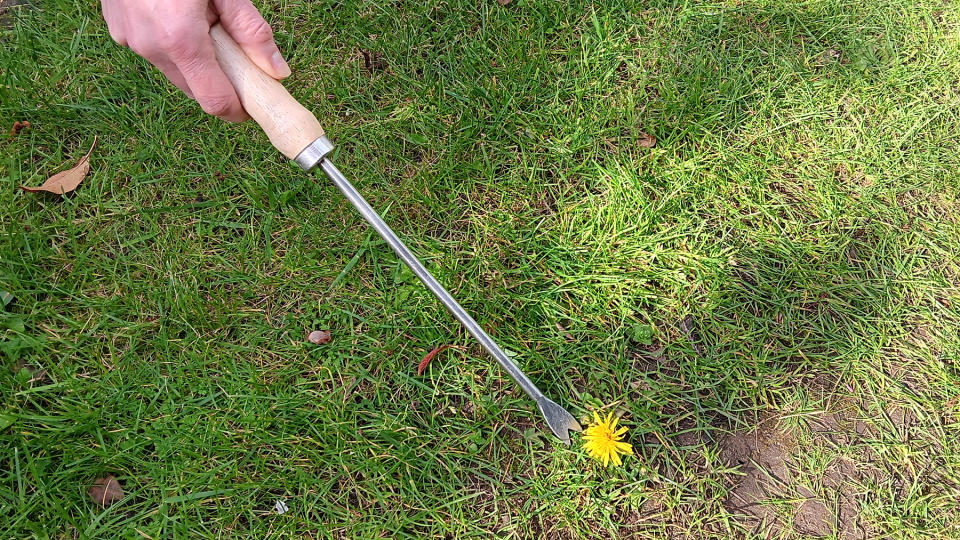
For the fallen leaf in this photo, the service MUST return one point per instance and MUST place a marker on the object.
(319, 337)
(373, 61)
(19, 126)
(31, 374)
(431, 355)
(66, 181)
(504, 2)
(564, 332)
(689, 327)
(647, 140)
(105, 491)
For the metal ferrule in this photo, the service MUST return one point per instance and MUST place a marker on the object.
(309, 157)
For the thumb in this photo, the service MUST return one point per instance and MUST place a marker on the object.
(249, 29)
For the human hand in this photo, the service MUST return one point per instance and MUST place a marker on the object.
(174, 36)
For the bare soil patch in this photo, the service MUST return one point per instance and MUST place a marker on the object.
(769, 497)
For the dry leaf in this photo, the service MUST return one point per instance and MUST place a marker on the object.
(503, 2)
(36, 374)
(647, 140)
(564, 332)
(19, 126)
(66, 181)
(431, 355)
(105, 491)
(319, 337)
(373, 61)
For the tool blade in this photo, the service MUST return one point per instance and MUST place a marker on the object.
(560, 421)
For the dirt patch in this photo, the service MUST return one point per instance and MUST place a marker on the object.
(837, 480)
(7, 11)
(768, 497)
(761, 455)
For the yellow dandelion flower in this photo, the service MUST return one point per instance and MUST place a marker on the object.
(603, 440)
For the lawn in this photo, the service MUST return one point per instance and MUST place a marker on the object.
(768, 296)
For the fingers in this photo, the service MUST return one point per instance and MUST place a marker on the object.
(184, 54)
(196, 62)
(249, 29)
(171, 72)
(116, 21)
(175, 37)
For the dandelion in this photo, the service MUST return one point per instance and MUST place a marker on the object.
(603, 440)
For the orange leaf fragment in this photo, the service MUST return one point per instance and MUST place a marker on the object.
(66, 181)
(431, 355)
(646, 140)
(19, 126)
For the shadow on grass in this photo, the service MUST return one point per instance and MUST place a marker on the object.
(722, 65)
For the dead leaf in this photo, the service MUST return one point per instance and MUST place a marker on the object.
(431, 355)
(36, 374)
(647, 140)
(564, 332)
(66, 181)
(19, 126)
(319, 337)
(105, 491)
(373, 61)
(503, 2)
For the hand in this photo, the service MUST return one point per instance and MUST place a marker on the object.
(174, 36)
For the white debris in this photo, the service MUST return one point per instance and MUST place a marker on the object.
(281, 507)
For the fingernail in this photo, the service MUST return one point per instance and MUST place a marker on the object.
(280, 65)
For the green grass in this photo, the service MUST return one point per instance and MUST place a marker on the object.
(799, 211)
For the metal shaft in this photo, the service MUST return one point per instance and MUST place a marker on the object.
(445, 298)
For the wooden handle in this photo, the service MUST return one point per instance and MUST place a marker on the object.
(288, 124)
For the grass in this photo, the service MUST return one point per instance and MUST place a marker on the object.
(790, 241)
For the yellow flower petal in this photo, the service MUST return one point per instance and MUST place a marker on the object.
(602, 440)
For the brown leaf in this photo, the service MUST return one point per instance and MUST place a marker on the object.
(564, 332)
(373, 61)
(19, 126)
(319, 337)
(431, 355)
(66, 181)
(647, 140)
(503, 2)
(105, 491)
(36, 374)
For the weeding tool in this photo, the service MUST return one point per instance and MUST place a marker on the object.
(296, 133)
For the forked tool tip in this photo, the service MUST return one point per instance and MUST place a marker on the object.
(560, 421)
